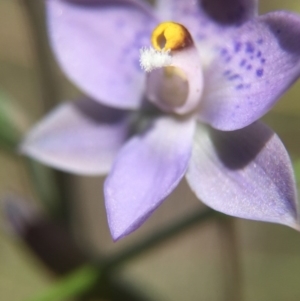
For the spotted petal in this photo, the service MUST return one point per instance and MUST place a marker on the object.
(145, 172)
(81, 137)
(256, 65)
(97, 44)
(245, 173)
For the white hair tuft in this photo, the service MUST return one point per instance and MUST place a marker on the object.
(151, 59)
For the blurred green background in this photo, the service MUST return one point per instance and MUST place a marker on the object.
(188, 267)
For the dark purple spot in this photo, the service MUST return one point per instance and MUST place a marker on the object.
(263, 60)
(239, 87)
(251, 57)
(249, 67)
(249, 47)
(228, 59)
(259, 72)
(258, 54)
(278, 31)
(224, 51)
(243, 62)
(120, 23)
(126, 51)
(234, 76)
(200, 36)
(237, 46)
(128, 78)
(226, 72)
(136, 64)
(260, 41)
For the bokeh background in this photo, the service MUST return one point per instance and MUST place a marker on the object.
(191, 266)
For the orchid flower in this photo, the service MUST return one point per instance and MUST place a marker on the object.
(171, 93)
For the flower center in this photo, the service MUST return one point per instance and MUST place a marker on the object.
(174, 72)
(174, 88)
(170, 36)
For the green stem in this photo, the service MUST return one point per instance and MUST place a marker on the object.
(73, 285)
(297, 171)
(45, 184)
(35, 15)
(230, 259)
(57, 201)
(84, 279)
(155, 239)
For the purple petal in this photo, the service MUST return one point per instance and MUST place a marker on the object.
(245, 173)
(81, 137)
(97, 44)
(145, 172)
(206, 18)
(251, 71)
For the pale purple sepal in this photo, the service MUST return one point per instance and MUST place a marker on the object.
(145, 172)
(257, 64)
(81, 137)
(97, 44)
(245, 173)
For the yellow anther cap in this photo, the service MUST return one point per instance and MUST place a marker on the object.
(170, 36)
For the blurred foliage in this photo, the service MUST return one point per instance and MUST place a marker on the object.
(12, 123)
